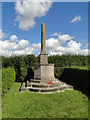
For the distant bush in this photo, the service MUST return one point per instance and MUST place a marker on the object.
(8, 78)
(73, 76)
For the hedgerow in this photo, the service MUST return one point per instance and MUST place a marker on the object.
(8, 78)
(73, 76)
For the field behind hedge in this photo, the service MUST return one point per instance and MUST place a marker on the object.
(67, 104)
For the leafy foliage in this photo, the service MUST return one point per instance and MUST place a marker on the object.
(59, 61)
(58, 71)
(68, 60)
(23, 66)
(22, 74)
(8, 78)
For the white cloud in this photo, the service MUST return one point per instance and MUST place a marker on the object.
(4, 52)
(65, 37)
(12, 47)
(52, 43)
(28, 50)
(74, 44)
(55, 47)
(72, 48)
(23, 43)
(13, 38)
(2, 34)
(6, 45)
(36, 46)
(58, 51)
(19, 52)
(55, 34)
(27, 11)
(76, 19)
(85, 52)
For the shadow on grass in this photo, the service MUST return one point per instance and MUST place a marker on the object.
(86, 92)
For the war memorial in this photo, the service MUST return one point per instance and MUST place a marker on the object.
(44, 80)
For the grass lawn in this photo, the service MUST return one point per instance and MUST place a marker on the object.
(67, 104)
(80, 67)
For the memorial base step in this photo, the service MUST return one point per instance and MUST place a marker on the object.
(35, 86)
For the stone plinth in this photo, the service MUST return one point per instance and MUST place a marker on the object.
(47, 72)
(44, 72)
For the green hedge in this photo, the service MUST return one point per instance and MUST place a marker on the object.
(58, 71)
(30, 73)
(73, 76)
(76, 77)
(8, 78)
(23, 73)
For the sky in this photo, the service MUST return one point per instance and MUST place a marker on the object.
(66, 27)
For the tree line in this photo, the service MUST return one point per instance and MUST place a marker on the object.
(59, 61)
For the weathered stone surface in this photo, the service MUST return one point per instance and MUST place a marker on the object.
(44, 72)
(43, 44)
(47, 72)
(37, 71)
(44, 58)
(46, 88)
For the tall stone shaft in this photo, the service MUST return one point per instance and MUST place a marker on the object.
(43, 70)
(43, 44)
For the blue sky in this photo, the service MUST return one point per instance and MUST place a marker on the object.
(66, 26)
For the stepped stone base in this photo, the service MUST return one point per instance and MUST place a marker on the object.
(37, 86)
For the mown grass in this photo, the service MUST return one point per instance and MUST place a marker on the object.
(80, 67)
(67, 104)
